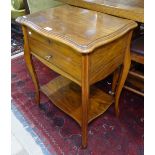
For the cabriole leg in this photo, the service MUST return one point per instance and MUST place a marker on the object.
(29, 64)
(124, 72)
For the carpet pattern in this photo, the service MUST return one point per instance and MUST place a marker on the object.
(16, 43)
(107, 134)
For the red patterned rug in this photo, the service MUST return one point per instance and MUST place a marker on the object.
(107, 134)
(16, 43)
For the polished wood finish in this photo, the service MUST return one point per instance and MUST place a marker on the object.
(137, 58)
(57, 54)
(116, 75)
(29, 64)
(81, 29)
(136, 84)
(107, 58)
(135, 80)
(124, 73)
(83, 46)
(66, 95)
(130, 9)
(85, 96)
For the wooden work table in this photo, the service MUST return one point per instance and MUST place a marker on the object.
(129, 9)
(84, 47)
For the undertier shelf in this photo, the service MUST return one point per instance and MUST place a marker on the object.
(66, 95)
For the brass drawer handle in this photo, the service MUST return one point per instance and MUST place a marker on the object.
(48, 57)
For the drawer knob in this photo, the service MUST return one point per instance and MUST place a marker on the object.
(48, 57)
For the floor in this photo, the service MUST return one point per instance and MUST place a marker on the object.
(18, 133)
(22, 142)
(109, 128)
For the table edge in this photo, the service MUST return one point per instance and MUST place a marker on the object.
(69, 42)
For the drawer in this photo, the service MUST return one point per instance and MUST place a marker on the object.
(107, 58)
(59, 55)
(32, 34)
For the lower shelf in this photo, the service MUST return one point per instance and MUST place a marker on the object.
(66, 95)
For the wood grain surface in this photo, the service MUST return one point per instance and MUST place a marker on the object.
(129, 9)
(82, 29)
(84, 47)
(66, 95)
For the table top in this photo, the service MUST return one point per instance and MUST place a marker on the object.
(130, 9)
(82, 29)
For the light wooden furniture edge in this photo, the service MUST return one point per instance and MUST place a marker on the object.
(128, 12)
(77, 47)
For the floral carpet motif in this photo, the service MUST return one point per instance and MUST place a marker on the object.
(107, 134)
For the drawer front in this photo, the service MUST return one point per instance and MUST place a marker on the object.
(61, 56)
(33, 35)
(107, 58)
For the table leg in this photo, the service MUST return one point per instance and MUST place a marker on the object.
(114, 81)
(30, 67)
(85, 99)
(123, 75)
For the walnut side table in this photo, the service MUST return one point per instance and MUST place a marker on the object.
(84, 47)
